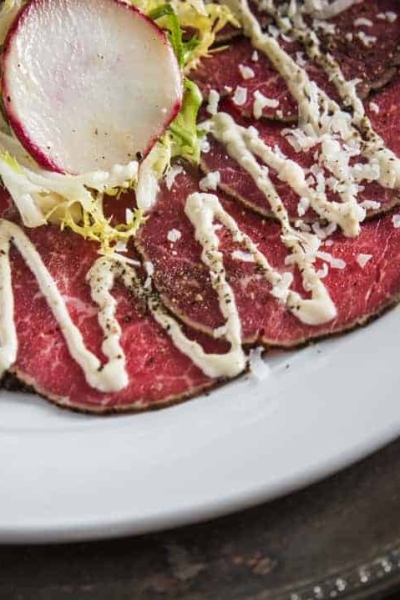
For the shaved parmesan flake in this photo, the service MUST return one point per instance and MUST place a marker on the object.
(389, 16)
(300, 59)
(246, 72)
(335, 263)
(323, 272)
(374, 107)
(149, 268)
(172, 174)
(303, 206)
(174, 235)
(324, 26)
(362, 259)
(323, 232)
(210, 181)
(128, 215)
(240, 96)
(258, 366)
(121, 247)
(260, 102)
(213, 100)
(367, 40)
(254, 56)
(362, 21)
(396, 221)
(370, 205)
(243, 256)
(205, 146)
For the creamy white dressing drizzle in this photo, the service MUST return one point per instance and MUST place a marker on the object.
(341, 135)
(239, 145)
(356, 129)
(111, 376)
(227, 131)
(323, 9)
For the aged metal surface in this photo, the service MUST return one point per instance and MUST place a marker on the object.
(336, 539)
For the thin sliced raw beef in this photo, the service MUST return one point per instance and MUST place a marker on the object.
(159, 374)
(222, 72)
(358, 292)
(234, 180)
(372, 60)
(374, 65)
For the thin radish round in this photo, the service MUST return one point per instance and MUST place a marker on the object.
(88, 84)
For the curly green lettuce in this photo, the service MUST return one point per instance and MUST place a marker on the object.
(76, 202)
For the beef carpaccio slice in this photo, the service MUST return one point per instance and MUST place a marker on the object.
(234, 180)
(158, 373)
(372, 58)
(358, 292)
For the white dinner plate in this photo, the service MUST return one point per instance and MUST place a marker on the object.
(72, 477)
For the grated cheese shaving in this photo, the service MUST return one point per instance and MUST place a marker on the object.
(246, 72)
(240, 96)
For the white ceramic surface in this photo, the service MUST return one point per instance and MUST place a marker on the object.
(67, 477)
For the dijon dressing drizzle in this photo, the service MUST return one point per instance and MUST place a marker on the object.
(112, 376)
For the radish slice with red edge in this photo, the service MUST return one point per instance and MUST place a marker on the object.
(88, 84)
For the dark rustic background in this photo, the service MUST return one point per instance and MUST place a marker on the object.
(337, 539)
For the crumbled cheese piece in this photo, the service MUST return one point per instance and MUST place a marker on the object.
(128, 215)
(335, 263)
(286, 38)
(213, 100)
(259, 368)
(370, 205)
(389, 16)
(240, 96)
(210, 181)
(300, 59)
(228, 89)
(281, 289)
(304, 227)
(172, 174)
(246, 72)
(374, 107)
(273, 31)
(149, 268)
(205, 146)
(324, 26)
(254, 56)
(243, 256)
(323, 232)
(362, 259)
(303, 206)
(396, 221)
(362, 21)
(174, 235)
(260, 102)
(367, 40)
(348, 36)
(121, 247)
(323, 272)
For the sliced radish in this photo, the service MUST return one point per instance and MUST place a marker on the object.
(88, 83)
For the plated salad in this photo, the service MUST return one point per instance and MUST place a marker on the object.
(186, 185)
